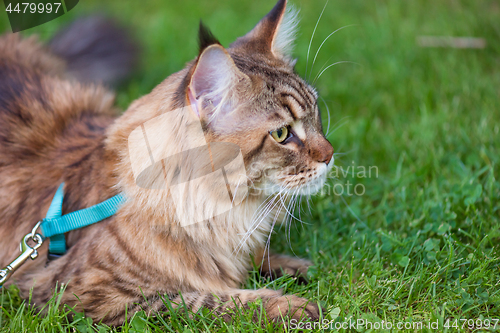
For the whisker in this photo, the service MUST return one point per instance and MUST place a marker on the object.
(264, 212)
(328, 113)
(338, 158)
(308, 201)
(297, 198)
(336, 63)
(324, 65)
(295, 203)
(338, 121)
(290, 213)
(336, 128)
(312, 36)
(324, 41)
(268, 242)
(288, 218)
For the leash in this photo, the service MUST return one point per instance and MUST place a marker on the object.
(55, 225)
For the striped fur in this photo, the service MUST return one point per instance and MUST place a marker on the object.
(53, 130)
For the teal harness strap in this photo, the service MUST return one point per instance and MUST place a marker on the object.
(55, 226)
(57, 244)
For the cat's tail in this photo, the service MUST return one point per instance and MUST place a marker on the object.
(96, 49)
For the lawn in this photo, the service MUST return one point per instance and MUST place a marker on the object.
(408, 229)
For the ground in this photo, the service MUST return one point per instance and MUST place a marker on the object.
(411, 233)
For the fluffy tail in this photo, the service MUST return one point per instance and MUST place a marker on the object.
(96, 50)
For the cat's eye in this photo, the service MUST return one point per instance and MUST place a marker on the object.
(281, 134)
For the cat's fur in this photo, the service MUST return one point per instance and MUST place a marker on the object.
(53, 130)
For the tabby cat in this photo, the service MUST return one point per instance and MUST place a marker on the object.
(54, 129)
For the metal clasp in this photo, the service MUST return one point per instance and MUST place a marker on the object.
(27, 252)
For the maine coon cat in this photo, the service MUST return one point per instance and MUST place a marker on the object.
(54, 130)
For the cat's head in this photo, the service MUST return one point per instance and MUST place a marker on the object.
(250, 95)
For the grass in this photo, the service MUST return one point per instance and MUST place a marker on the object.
(422, 242)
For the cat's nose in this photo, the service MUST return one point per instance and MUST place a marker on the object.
(328, 154)
(323, 151)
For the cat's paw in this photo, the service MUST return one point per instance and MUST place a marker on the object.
(281, 264)
(296, 267)
(293, 307)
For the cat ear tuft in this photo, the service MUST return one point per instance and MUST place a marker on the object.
(214, 76)
(284, 40)
(205, 37)
(275, 33)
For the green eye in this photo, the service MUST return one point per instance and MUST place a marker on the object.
(280, 134)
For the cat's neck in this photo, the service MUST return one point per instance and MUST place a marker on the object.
(239, 230)
(236, 230)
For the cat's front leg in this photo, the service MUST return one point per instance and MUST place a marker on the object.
(275, 265)
(223, 303)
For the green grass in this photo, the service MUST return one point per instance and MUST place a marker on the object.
(422, 243)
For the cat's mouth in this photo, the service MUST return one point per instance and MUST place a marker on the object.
(304, 182)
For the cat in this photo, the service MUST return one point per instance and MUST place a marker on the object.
(54, 129)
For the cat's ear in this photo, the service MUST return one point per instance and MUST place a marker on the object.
(275, 33)
(210, 90)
